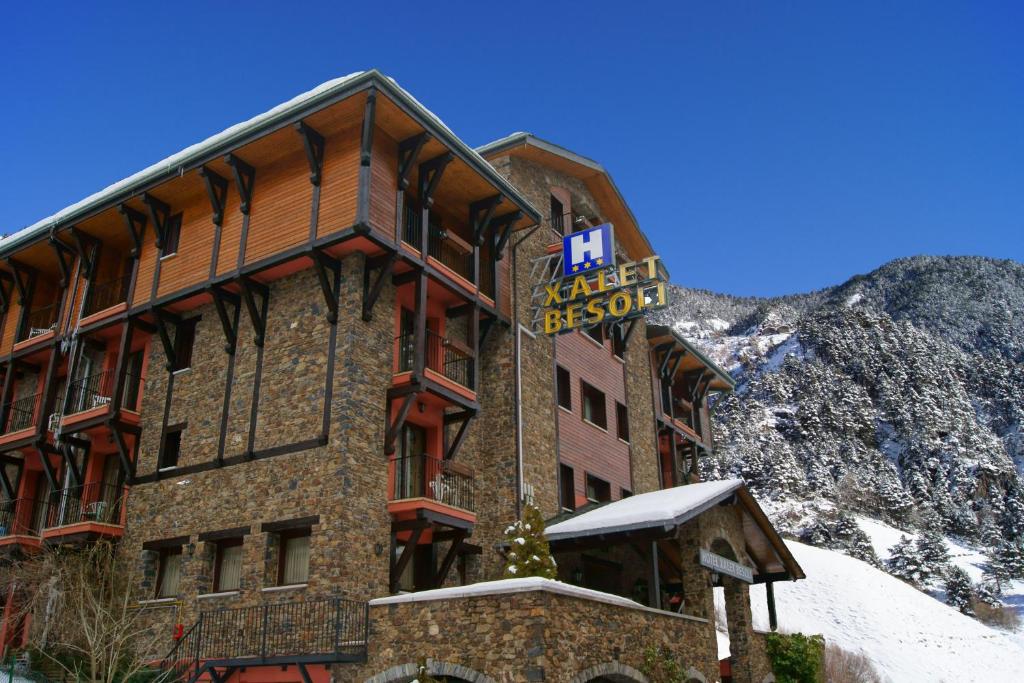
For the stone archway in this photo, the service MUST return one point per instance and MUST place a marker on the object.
(610, 671)
(454, 673)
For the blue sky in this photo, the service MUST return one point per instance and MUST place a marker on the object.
(766, 148)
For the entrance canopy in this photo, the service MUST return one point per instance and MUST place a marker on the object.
(658, 514)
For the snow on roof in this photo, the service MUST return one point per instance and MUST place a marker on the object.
(665, 508)
(511, 586)
(179, 160)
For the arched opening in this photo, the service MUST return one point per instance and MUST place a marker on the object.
(444, 671)
(610, 672)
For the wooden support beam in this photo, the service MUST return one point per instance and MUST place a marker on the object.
(159, 216)
(135, 224)
(6, 290)
(228, 322)
(165, 339)
(69, 458)
(257, 314)
(405, 278)
(216, 191)
(430, 177)
(460, 435)
(314, 145)
(24, 278)
(5, 483)
(327, 270)
(408, 152)
(395, 428)
(481, 213)
(667, 350)
(449, 558)
(44, 459)
(245, 178)
(365, 158)
(87, 248)
(504, 224)
(383, 266)
(773, 617)
(409, 548)
(65, 258)
(675, 365)
(127, 460)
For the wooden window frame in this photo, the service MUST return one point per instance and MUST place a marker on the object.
(184, 343)
(566, 486)
(622, 422)
(166, 552)
(585, 389)
(172, 240)
(178, 429)
(605, 485)
(283, 536)
(218, 557)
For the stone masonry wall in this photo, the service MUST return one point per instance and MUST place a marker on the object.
(533, 636)
(344, 482)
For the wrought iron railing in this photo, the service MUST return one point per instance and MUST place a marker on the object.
(39, 321)
(97, 390)
(101, 503)
(103, 295)
(440, 355)
(313, 628)
(21, 517)
(424, 476)
(21, 414)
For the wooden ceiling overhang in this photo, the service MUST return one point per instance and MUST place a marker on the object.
(692, 360)
(329, 111)
(594, 176)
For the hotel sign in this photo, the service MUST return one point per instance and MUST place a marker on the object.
(726, 566)
(592, 288)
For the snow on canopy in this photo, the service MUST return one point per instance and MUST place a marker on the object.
(665, 508)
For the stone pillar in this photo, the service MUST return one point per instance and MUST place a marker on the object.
(749, 661)
(698, 596)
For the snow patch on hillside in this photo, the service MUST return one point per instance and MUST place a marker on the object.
(908, 635)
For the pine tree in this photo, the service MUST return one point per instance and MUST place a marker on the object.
(934, 552)
(528, 551)
(1011, 559)
(905, 562)
(959, 590)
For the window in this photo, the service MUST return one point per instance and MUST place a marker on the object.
(566, 487)
(170, 450)
(184, 340)
(564, 388)
(625, 493)
(596, 333)
(227, 567)
(169, 572)
(619, 341)
(294, 565)
(622, 421)
(593, 405)
(172, 237)
(598, 490)
(557, 214)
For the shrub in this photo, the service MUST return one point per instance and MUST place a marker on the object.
(843, 666)
(796, 658)
(995, 615)
(528, 551)
(660, 667)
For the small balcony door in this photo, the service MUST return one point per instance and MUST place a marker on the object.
(409, 472)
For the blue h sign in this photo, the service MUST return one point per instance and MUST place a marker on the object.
(588, 250)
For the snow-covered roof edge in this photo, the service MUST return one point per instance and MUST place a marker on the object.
(693, 349)
(524, 585)
(714, 493)
(283, 114)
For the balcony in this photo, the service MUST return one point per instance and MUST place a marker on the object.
(419, 481)
(20, 522)
(442, 246)
(89, 511)
(21, 416)
(442, 357)
(105, 299)
(40, 325)
(314, 631)
(91, 396)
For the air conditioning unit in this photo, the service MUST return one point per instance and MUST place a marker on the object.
(54, 422)
(99, 401)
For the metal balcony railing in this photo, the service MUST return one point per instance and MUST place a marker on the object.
(103, 295)
(21, 517)
(424, 476)
(96, 390)
(332, 629)
(101, 503)
(440, 245)
(21, 414)
(441, 356)
(39, 321)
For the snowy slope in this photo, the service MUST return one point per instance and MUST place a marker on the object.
(910, 636)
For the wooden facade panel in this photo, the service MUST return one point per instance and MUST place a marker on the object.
(281, 206)
(10, 325)
(231, 230)
(71, 312)
(340, 184)
(383, 184)
(191, 264)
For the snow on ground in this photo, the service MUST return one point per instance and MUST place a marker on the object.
(909, 635)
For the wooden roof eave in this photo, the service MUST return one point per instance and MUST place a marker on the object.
(721, 380)
(793, 568)
(125, 191)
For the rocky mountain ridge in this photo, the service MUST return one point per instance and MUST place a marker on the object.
(898, 394)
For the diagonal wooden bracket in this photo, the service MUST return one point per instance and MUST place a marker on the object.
(372, 286)
(314, 145)
(6, 290)
(228, 320)
(430, 177)
(462, 418)
(480, 215)
(44, 459)
(408, 151)
(328, 271)
(449, 557)
(24, 280)
(163, 320)
(65, 258)
(87, 247)
(504, 225)
(216, 191)
(127, 461)
(10, 492)
(135, 224)
(395, 427)
(245, 178)
(159, 215)
(397, 568)
(257, 314)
